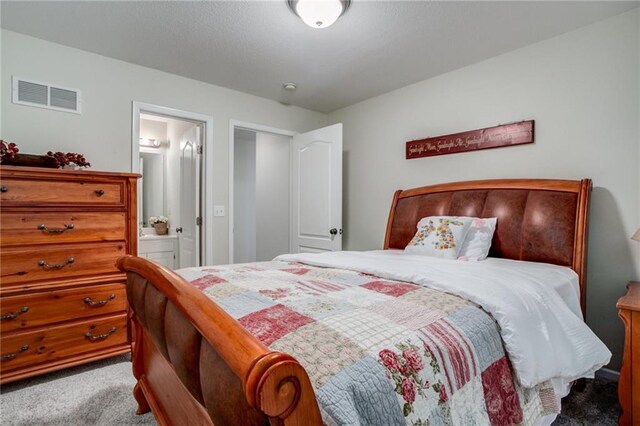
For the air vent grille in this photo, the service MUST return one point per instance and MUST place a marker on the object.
(62, 98)
(32, 93)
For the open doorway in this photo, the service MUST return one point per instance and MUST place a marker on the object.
(261, 195)
(168, 149)
(285, 191)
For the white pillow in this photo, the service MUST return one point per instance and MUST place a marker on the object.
(439, 236)
(478, 240)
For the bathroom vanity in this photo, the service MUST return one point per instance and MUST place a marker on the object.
(159, 248)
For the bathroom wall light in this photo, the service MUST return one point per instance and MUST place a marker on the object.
(319, 13)
(151, 143)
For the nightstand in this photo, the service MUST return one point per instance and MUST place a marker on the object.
(629, 384)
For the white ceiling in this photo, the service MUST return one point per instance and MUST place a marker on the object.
(376, 47)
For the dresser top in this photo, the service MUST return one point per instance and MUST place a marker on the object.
(631, 300)
(20, 171)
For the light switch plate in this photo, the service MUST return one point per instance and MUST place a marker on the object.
(218, 211)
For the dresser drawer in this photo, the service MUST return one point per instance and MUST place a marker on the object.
(48, 307)
(29, 192)
(54, 343)
(43, 228)
(21, 265)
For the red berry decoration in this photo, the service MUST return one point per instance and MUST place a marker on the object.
(61, 159)
(8, 150)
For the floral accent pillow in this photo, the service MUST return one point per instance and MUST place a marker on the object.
(439, 236)
(478, 240)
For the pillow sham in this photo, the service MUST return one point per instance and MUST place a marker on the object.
(439, 236)
(477, 242)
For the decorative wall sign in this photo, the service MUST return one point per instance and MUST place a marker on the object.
(491, 137)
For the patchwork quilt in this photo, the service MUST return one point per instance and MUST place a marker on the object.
(379, 352)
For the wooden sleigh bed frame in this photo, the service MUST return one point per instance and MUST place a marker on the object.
(196, 365)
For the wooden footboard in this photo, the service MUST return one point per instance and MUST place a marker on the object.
(196, 365)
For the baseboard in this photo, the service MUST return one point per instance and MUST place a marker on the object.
(607, 373)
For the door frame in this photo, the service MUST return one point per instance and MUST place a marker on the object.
(233, 125)
(206, 172)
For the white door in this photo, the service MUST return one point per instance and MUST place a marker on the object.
(316, 190)
(189, 238)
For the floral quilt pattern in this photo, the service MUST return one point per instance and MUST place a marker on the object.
(379, 352)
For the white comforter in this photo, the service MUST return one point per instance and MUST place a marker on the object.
(535, 304)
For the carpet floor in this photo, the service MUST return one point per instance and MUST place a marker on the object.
(93, 394)
(100, 394)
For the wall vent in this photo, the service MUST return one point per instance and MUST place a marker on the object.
(42, 95)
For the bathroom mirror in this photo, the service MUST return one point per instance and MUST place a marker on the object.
(152, 168)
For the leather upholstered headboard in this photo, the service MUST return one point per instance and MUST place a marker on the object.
(539, 220)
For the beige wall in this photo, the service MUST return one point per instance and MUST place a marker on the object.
(103, 131)
(582, 89)
(244, 197)
(151, 129)
(273, 154)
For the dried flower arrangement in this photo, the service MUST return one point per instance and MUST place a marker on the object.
(158, 219)
(160, 224)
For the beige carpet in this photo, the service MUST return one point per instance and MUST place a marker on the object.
(94, 394)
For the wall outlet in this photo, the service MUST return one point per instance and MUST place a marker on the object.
(218, 211)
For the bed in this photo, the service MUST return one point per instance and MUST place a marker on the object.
(197, 363)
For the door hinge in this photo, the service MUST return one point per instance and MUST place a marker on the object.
(198, 221)
(199, 149)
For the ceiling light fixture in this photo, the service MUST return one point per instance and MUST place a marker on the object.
(319, 13)
(290, 86)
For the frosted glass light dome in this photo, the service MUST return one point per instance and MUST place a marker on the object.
(319, 13)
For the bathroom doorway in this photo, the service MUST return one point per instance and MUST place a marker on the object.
(169, 150)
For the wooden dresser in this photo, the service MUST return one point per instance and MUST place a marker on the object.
(62, 300)
(629, 384)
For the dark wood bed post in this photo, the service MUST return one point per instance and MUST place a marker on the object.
(170, 318)
(582, 239)
(138, 363)
(392, 212)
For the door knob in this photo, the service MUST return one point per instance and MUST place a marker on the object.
(179, 229)
(333, 231)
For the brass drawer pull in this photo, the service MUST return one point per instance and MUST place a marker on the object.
(44, 228)
(92, 302)
(93, 338)
(3, 189)
(15, 315)
(99, 192)
(48, 266)
(15, 354)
